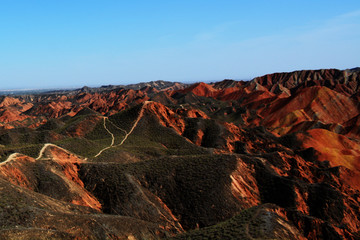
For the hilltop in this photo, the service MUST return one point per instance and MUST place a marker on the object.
(276, 157)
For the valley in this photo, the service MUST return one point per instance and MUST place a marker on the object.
(277, 157)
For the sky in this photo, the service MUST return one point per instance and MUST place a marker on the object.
(73, 43)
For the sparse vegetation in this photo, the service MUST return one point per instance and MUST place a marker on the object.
(241, 181)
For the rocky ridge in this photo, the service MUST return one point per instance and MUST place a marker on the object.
(275, 157)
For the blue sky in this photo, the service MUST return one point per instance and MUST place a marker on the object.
(86, 42)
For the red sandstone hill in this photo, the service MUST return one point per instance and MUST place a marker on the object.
(346, 82)
(277, 157)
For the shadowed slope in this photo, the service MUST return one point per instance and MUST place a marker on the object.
(276, 157)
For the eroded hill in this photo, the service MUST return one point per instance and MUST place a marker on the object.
(273, 158)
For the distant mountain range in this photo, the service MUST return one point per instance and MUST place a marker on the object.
(158, 85)
(277, 157)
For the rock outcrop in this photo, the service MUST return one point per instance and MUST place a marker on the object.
(277, 157)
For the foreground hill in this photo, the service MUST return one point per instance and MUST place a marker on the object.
(277, 157)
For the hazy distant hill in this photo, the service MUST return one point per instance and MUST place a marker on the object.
(272, 158)
(158, 85)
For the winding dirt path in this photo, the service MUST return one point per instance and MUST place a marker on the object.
(141, 113)
(127, 134)
(9, 159)
(41, 153)
(112, 139)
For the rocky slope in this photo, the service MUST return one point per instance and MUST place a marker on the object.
(273, 158)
